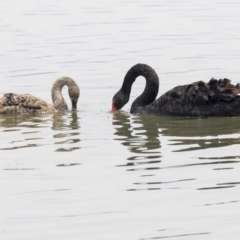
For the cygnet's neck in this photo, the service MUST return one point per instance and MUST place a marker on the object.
(57, 98)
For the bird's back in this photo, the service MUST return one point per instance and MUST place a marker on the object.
(23, 103)
(215, 98)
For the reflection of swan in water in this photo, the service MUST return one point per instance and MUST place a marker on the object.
(67, 124)
(136, 132)
(215, 98)
(26, 103)
(65, 121)
(30, 130)
(192, 133)
(10, 122)
(25, 128)
(197, 134)
(140, 136)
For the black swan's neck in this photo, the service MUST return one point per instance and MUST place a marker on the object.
(151, 89)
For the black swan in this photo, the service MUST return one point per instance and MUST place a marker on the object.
(26, 103)
(201, 99)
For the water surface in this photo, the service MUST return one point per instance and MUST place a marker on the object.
(92, 174)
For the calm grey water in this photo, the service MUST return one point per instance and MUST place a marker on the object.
(95, 175)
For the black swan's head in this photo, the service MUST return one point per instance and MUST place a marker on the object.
(119, 100)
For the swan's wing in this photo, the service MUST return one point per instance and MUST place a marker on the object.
(215, 98)
(23, 103)
(214, 91)
(227, 91)
(201, 92)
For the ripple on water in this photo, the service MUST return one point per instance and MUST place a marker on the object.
(172, 138)
(87, 173)
(67, 125)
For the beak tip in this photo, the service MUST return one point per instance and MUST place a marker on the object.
(74, 106)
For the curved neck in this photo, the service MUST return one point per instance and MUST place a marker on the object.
(57, 98)
(151, 89)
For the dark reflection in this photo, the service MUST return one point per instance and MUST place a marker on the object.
(197, 127)
(18, 122)
(146, 185)
(140, 135)
(177, 236)
(67, 149)
(222, 203)
(19, 147)
(143, 132)
(204, 163)
(63, 121)
(67, 164)
(9, 121)
(203, 143)
(221, 185)
(199, 134)
(65, 124)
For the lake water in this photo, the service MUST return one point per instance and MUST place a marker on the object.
(95, 175)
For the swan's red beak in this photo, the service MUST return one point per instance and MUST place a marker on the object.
(114, 109)
(74, 105)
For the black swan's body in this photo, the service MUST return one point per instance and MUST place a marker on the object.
(215, 98)
(26, 103)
